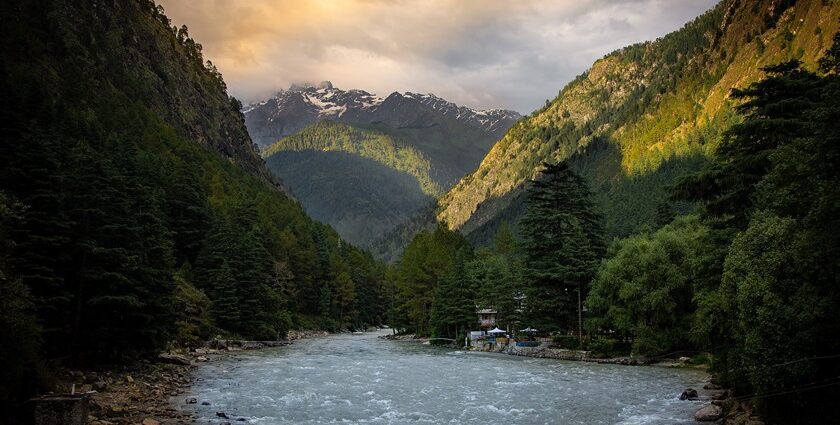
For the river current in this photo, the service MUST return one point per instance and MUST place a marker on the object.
(365, 379)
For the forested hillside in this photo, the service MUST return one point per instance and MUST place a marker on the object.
(134, 210)
(680, 198)
(362, 181)
(643, 115)
(746, 284)
(381, 147)
(363, 193)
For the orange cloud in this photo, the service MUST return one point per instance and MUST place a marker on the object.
(482, 53)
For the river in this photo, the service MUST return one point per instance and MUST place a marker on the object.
(365, 379)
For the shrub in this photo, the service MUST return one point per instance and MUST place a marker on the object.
(569, 342)
(603, 345)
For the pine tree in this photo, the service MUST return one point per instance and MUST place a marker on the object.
(188, 213)
(18, 324)
(773, 187)
(225, 298)
(426, 261)
(453, 311)
(775, 111)
(563, 243)
(214, 274)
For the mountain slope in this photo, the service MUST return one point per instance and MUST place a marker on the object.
(362, 181)
(426, 138)
(369, 199)
(642, 115)
(135, 214)
(328, 136)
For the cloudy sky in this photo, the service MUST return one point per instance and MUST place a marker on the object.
(479, 53)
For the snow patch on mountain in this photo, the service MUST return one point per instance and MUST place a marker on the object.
(489, 120)
(323, 101)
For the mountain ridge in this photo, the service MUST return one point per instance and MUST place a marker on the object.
(654, 104)
(416, 136)
(290, 110)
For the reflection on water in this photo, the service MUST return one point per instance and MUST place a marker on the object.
(363, 379)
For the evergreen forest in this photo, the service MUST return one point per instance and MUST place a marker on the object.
(745, 281)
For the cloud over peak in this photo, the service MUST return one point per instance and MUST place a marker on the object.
(483, 54)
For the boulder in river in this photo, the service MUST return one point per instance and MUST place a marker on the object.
(222, 415)
(709, 413)
(689, 394)
(191, 400)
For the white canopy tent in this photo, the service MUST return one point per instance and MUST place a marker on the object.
(496, 331)
(528, 329)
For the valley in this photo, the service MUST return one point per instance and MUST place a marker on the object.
(677, 202)
(416, 136)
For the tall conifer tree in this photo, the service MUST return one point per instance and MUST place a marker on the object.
(563, 243)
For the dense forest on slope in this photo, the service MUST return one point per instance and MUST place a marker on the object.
(362, 181)
(390, 245)
(433, 141)
(643, 115)
(747, 283)
(368, 199)
(329, 136)
(718, 190)
(134, 211)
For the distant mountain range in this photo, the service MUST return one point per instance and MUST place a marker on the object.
(291, 110)
(366, 164)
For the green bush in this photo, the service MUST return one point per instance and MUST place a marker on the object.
(328, 324)
(603, 345)
(568, 342)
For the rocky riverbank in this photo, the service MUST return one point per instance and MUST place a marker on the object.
(404, 337)
(136, 394)
(545, 351)
(143, 392)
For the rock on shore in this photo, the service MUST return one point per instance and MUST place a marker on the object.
(708, 413)
(547, 352)
(137, 394)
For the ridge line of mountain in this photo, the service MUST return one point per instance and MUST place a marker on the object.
(290, 110)
(647, 112)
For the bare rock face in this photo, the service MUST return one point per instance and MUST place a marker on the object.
(708, 413)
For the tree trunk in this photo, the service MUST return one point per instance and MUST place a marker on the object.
(580, 321)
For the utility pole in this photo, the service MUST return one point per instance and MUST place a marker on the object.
(580, 321)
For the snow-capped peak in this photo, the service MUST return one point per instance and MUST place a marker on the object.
(302, 103)
(490, 120)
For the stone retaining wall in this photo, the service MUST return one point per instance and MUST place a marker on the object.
(545, 351)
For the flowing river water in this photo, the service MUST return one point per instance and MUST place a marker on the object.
(365, 379)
